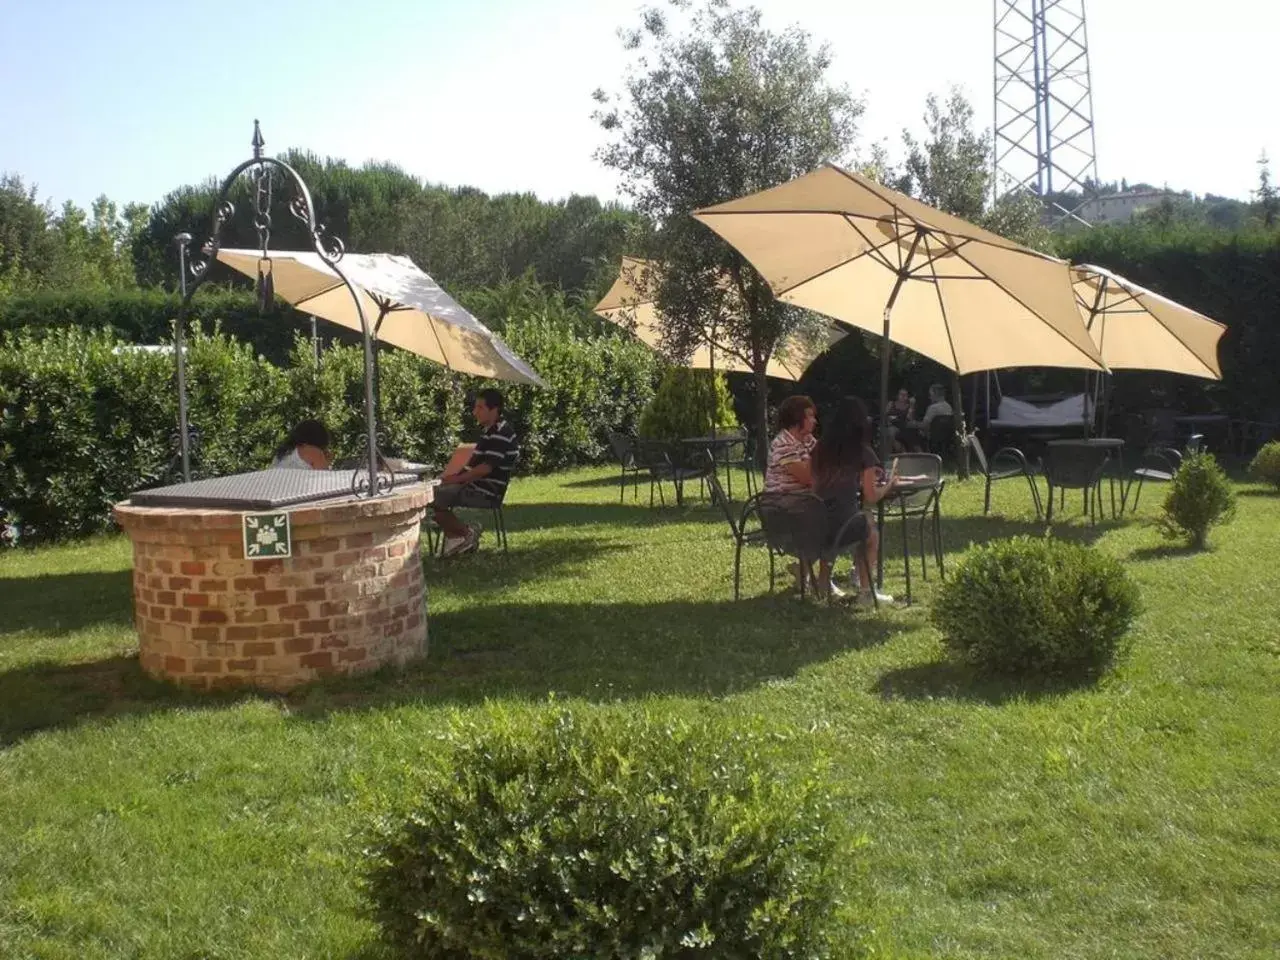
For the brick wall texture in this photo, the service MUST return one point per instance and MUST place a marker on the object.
(349, 600)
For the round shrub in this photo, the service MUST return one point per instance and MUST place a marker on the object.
(1266, 465)
(1029, 606)
(1199, 497)
(597, 834)
(686, 404)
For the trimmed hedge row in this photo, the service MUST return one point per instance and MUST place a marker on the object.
(86, 418)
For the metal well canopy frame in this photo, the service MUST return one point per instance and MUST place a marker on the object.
(193, 270)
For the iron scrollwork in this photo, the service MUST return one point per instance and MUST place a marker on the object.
(262, 172)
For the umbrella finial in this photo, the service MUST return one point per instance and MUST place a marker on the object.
(258, 142)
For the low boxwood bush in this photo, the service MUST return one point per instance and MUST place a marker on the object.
(1266, 465)
(687, 404)
(1199, 498)
(1036, 607)
(599, 834)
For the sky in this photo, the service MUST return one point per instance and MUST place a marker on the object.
(137, 97)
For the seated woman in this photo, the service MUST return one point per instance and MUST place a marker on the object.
(306, 448)
(846, 475)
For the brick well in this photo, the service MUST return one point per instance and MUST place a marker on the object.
(349, 600)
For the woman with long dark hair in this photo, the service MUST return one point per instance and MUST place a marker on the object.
(846, 474)
(306, 447)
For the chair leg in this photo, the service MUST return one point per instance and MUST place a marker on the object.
(737, 571)
(622, 485)
(906, 552)
(1035, 495)
(986, 503)
(1137, 496)
(866, 562)
(924, 554)
(772, 568)
(1049, 512)
(937, 538)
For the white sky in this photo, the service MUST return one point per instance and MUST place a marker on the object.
(496, 93)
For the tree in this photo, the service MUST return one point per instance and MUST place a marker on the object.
(720, 109)
(1266, 196)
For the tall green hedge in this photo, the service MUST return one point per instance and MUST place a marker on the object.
(86, 418)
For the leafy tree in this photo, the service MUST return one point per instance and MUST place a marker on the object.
(717, 110)
(1267, 198)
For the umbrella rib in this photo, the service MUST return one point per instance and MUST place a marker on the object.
(942, 306)
(1134, 298)
(1013, 296)
(874, 249)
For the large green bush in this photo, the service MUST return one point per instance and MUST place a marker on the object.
(1199, 497)
(594, 384)
(689, 403)
(602, 835)
(1266, 465)
(1034, 607)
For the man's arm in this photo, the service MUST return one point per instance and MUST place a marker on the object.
(469, 475)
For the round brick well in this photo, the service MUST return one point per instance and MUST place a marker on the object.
(349, 599)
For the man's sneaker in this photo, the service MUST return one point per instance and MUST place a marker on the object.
(834, 592)
(473, 539)
(865, 598)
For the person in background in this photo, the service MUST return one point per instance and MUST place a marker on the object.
(306, 448)
(901, 409)
(846, 476)
(483, 481)
(938, 407)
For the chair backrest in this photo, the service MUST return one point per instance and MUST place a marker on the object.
(920, 465)
(719, 499)
(794, 523)
(652, 454)
(1073, 465)
(980, 455)
(624, 448)
(1195, 443)
(942, 432)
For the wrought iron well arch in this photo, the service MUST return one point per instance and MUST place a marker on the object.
(193, 270)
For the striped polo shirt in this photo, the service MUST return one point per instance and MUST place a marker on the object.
(786, 448)
(497, 447)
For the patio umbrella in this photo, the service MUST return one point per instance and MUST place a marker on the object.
(406, 307)
(845, 246)
(1137, 329)
(630, 304)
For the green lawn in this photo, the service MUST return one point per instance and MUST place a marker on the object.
(1140, 818)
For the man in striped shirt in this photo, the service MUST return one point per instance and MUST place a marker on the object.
(483, 481)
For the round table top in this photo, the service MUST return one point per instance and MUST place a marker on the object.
(717, 439)
(1108, 443)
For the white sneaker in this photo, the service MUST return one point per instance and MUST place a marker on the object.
(456, 545)
(834, 592)
(864, 597)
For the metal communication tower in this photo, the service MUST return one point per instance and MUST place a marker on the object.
(1044, 142)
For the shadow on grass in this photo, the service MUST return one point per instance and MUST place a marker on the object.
(959, 532)
(490, 571)
(596, 651)
(1265, 493)
(608, 651)
(59, 604)
(542, 516)
(944, 680)
(1169, 550)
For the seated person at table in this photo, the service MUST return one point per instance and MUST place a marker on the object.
(306, 448)
(938, 407)
(900, 411)
(846, 476)
(788, 467)
(483, 481)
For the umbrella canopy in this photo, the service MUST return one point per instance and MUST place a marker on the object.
(405, 306)
(841, 244)
(845, 246)
(630, 303)
(1136, 329)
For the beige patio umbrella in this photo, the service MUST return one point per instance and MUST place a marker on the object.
(845, 246)
(1136, 329)
(405, 306)
(630, 304)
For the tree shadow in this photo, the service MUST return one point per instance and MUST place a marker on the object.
(958, 533)
(1168, 551)
(945, 680)
(607, 652)
(59, 604)
(1260, 492)
(491, 570)
(48, 695)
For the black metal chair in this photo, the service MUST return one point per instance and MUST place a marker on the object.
(624, 448)
(1076, 466)
(677, 463)
(739, 455)
(494, 506)
(795, 525)
(1005, 464)
(745, 528)
(1158, 464)
(924, 504)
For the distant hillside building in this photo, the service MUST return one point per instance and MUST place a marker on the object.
(1120, 206)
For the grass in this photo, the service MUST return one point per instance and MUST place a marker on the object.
(1137, 818)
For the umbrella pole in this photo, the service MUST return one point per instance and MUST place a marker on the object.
(179, 349)
(886, 447)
